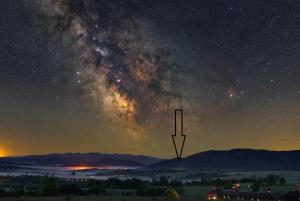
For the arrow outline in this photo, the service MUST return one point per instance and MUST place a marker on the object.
(182, 135)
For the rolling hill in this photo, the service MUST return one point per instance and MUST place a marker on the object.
(79, 159)
(235, 159)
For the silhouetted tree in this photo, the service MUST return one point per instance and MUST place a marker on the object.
(163, 181)
(255, 187)
(271, 179)
(228, 185)
(49, 186)
(176, 183)
(154, 182)
(282, 181)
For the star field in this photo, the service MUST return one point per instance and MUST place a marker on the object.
(106, 75)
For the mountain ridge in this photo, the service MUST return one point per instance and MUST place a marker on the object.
(235, 159)
(76, 159)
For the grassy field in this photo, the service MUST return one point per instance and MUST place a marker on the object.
(292, 177)
(187, 193)
(97, 198)
(194, 192)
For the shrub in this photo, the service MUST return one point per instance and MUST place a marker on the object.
(171, 193)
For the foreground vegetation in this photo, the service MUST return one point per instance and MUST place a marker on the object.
(95, 198)
(47, 188)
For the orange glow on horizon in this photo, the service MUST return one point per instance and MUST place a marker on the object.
(2, 153)
(80, 168)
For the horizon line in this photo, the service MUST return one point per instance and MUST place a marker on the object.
(157, 157)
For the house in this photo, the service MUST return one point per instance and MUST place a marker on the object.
(214, 194)
(298, 187)
(293, 195)
(217, 194)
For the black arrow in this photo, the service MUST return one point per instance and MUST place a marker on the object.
(179, 127)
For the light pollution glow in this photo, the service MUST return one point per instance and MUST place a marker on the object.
(2, 153)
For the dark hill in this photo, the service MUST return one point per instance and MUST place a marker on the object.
(76, 159)
(236, 159)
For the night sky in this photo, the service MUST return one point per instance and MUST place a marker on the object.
(106, 76)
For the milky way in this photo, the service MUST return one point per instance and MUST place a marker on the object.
(106, 75)
(122, 70)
